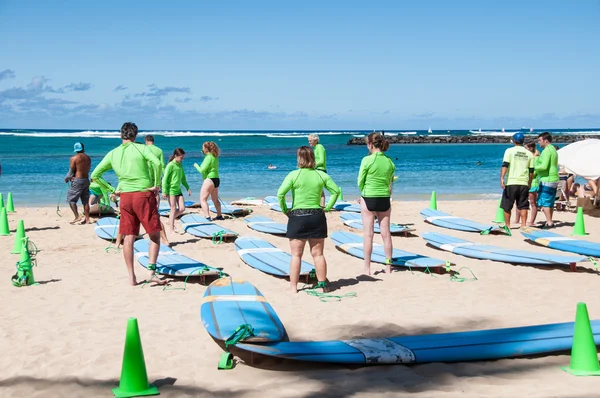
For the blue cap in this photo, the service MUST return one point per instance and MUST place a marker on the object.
(78, 147)
(519, 138)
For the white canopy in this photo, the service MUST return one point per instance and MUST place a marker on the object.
(581, 158)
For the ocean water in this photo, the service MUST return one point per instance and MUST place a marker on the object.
(34, 162)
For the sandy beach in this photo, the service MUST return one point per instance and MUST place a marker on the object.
(65, 337)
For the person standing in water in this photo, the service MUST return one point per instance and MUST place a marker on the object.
(307, 221)
(210, 173)
(79, 170)
(171, 186)
(375, 178)
(320, 158)
(138, 186)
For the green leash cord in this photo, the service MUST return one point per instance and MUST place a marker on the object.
(455, 278)
(242, 332)
(218, 235)
(58, 202)
(108, 248)
(595, 264)
(326, 297)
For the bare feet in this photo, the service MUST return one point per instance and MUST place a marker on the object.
(77, 220)
(367, 271)
(388, 269)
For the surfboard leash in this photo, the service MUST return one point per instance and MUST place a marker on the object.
(218, 235)
(108, 248)
(455, 278)
(595, 263)
(326, 297)
(59, 196)
(242, 332)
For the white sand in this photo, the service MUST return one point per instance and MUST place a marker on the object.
(65, 337)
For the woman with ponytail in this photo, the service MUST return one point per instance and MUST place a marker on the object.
(375, 183)
(171, 186)
(210, 173)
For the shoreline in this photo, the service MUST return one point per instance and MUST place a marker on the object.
(470, 139)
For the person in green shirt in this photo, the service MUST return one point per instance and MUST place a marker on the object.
(320, 158)
(375, 178)
(516, 175)
(306, 218)
(533, 191)
(172, 181)
(137, 188)
(210, 173)
(149, 140)
(546, 167)
(102, 197)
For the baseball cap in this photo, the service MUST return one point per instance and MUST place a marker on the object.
(78, 147)
(519, 138)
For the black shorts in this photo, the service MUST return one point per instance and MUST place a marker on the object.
(377, 204)
(515, 193)
(216, 181)
(307, 224)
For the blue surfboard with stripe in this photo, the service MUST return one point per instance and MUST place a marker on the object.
(265, 257)
(266, 225)
(559, 242)
(446, 220)
(107, 228)
(354, 220)
(230, 303)
(201, 227)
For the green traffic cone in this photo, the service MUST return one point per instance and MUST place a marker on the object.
(500, 214)
(19, 235)
(4, 230)
(24, 275)
(1, 201)
(584, 357)
(579, 228)
(433, 201)
(134, 379)
(10, 206)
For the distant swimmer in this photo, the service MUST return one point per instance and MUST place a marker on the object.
(479, 163)
(271, 167)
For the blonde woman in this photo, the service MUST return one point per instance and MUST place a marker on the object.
(210, 172)
(307, 221)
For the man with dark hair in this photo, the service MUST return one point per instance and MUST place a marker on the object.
(138, 185)
(78, 175)
(546, 167)
(517, 164)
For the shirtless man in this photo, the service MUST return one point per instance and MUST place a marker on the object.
(79, 170)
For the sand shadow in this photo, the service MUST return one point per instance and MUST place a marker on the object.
(48, 281)
(193, 240)
(40, 228)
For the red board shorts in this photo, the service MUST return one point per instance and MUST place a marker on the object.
(139, 208)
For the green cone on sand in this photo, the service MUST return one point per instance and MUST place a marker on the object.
(499, 214)
(4, 230)
(19, 235)
(10, 206)
(579, 228)
(584, 357)
(433, 201)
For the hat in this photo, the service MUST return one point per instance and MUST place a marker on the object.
(518, 138)
(78, 147)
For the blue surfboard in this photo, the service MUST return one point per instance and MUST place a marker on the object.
(170, 262)
(480, 345)
(227, 209)
(353, 244)
(270, 200)
(354, 220)
(263, 256)
(107, 228)
(164, 208)
(446, 220)
(201, 227)
(229, 303)
(559, 242)
(486, 252)
(266, 225)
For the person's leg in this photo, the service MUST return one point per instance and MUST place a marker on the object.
(85, 199)
(73, 207)
(180, 206)
(316, 251)
(172, 204)
(386, 235)
(534, 209)
(368, 220)
(207, 187)
(214, 195)
(128, 257)
(297, 250)
(506, 204)
(153, 250)
(523, 203)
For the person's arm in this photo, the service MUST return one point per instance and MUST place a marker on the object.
(392, 176)
(102, 168)
(166, 179)
(504, 169)
(362, 174)
(156, 170)
(285, 187)
(333, 189)
(203, 168)
(184, 180)
(72, 169)
(320, 157)
(543, 162)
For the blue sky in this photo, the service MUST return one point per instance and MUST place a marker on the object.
(302, 65)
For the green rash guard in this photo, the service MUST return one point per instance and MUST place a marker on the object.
(130, 163)
(519, 162)
(97, 190)
(375, 175)
(173, 179)
(209, 167)
(320, 157)
(159, 154)
(546, 164)
(306, 186)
